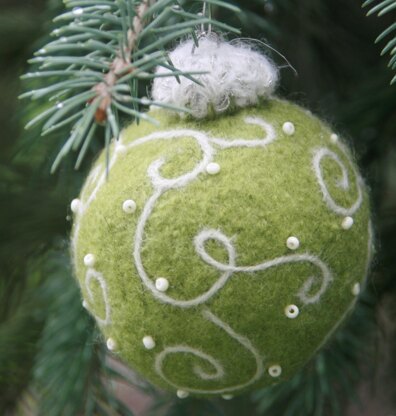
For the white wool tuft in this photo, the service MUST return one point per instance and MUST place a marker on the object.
(236, 75)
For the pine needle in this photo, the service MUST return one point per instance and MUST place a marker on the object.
(383, 7)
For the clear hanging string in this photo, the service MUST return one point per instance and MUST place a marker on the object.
(206, 12)
(205, 29)
(268, 46)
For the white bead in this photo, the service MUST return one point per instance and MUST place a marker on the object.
(288, 128)
(334, 138)
(129, 206)
(59, 106)
(162, 284)
(181, 394)
(78, 11)
(227, 396)
(148, 342)
(84, 304)
(275, 370)
(89, 260)
(292, 311)
(347, 223)
(111, 344)
(293, 243)
(356, 289)
(75, 205)
(213, 168)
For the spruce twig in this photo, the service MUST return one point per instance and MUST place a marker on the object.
(102, 52)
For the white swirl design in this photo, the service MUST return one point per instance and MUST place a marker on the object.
(219, 370)
(231, 268)
(95, 275)
(256, 121)
(343, 184)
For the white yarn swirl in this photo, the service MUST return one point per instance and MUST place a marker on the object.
(343, 184)
(95, 275)
(181, 349)
(235, 74)
(231, 268)
(219, 370)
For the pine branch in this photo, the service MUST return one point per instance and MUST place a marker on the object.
(382, 8)
(101, 53)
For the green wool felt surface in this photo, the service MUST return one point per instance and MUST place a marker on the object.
(228, 343)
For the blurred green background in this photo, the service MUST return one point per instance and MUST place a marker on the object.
(51, 358)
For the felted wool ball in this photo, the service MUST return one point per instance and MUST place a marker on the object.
(219, 254)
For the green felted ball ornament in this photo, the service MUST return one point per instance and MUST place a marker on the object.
(220, 252)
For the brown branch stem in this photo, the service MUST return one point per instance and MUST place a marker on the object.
(120, 63)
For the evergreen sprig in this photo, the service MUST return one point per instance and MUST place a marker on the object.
(382, 8)
(102, 51)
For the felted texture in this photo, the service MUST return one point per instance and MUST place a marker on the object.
(221, 242)
(233, 75)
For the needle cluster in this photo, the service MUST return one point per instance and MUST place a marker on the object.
(101, 52)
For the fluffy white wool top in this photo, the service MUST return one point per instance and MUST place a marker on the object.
(235, 75)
